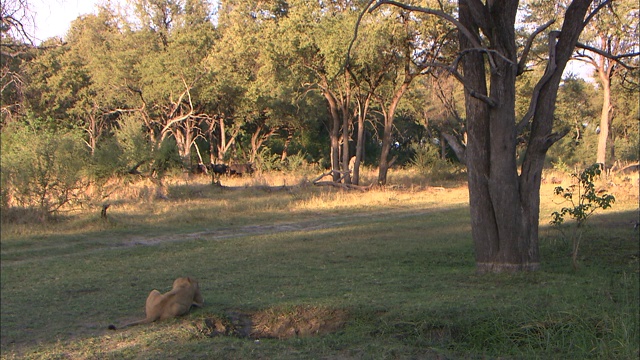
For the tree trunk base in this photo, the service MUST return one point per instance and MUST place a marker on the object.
(496, 268)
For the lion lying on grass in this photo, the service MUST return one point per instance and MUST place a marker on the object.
(178, 301)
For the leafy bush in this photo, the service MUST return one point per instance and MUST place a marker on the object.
(588, 200)
(42, 168)
(268, 161)
(134, 144)
(628, 150)
(129, 151)
(427, 160)
(166, 157)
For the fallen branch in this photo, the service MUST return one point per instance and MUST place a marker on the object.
(314, 181)
(338, 182)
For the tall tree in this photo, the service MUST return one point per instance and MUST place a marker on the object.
(72, 83)
(505, 201)
(233, 65)
(172, 74)
(411, 45)
(315, 36)
(610, 40)
(335, 81)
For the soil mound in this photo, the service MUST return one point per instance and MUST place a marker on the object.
(286, 323)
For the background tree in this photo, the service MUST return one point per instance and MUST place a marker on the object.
(437, 104)
(626, 112)
(414, 43)
(608, 43)
(172, 74)
(65, 82)
(16, 48)
(232, 65)
(313, 35)
(577, 107)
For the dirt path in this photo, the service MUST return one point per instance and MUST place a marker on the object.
(282, 227)
(50, 250)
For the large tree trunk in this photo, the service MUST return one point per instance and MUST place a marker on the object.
(505, 206)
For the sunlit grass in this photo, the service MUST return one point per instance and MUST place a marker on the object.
(398, 260)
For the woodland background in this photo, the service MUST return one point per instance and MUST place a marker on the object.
(124, 109)
(161, 86)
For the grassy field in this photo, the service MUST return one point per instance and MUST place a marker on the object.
(320, 273)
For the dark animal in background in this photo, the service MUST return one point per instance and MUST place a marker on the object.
(216, 171)
(240, 169)
(218, 168)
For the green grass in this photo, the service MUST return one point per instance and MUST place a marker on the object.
(399, 263)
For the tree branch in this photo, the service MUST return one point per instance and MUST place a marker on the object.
(525, 54)
(474, 41)
(555, 137)
(616, 58)
(355, 33)
(595, 11)
(458, 148)
(551, 68)
(478, 95)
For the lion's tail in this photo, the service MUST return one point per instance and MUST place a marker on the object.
(143, 321)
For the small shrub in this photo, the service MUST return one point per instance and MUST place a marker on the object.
(584, 201)
(427, 160)
(166, 157)
(133, 142)
(294, 163)
(268, 161)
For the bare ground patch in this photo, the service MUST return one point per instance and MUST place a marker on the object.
(300, 321)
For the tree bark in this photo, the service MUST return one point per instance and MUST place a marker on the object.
(222, 143)
(287, 142)
(504, 205)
